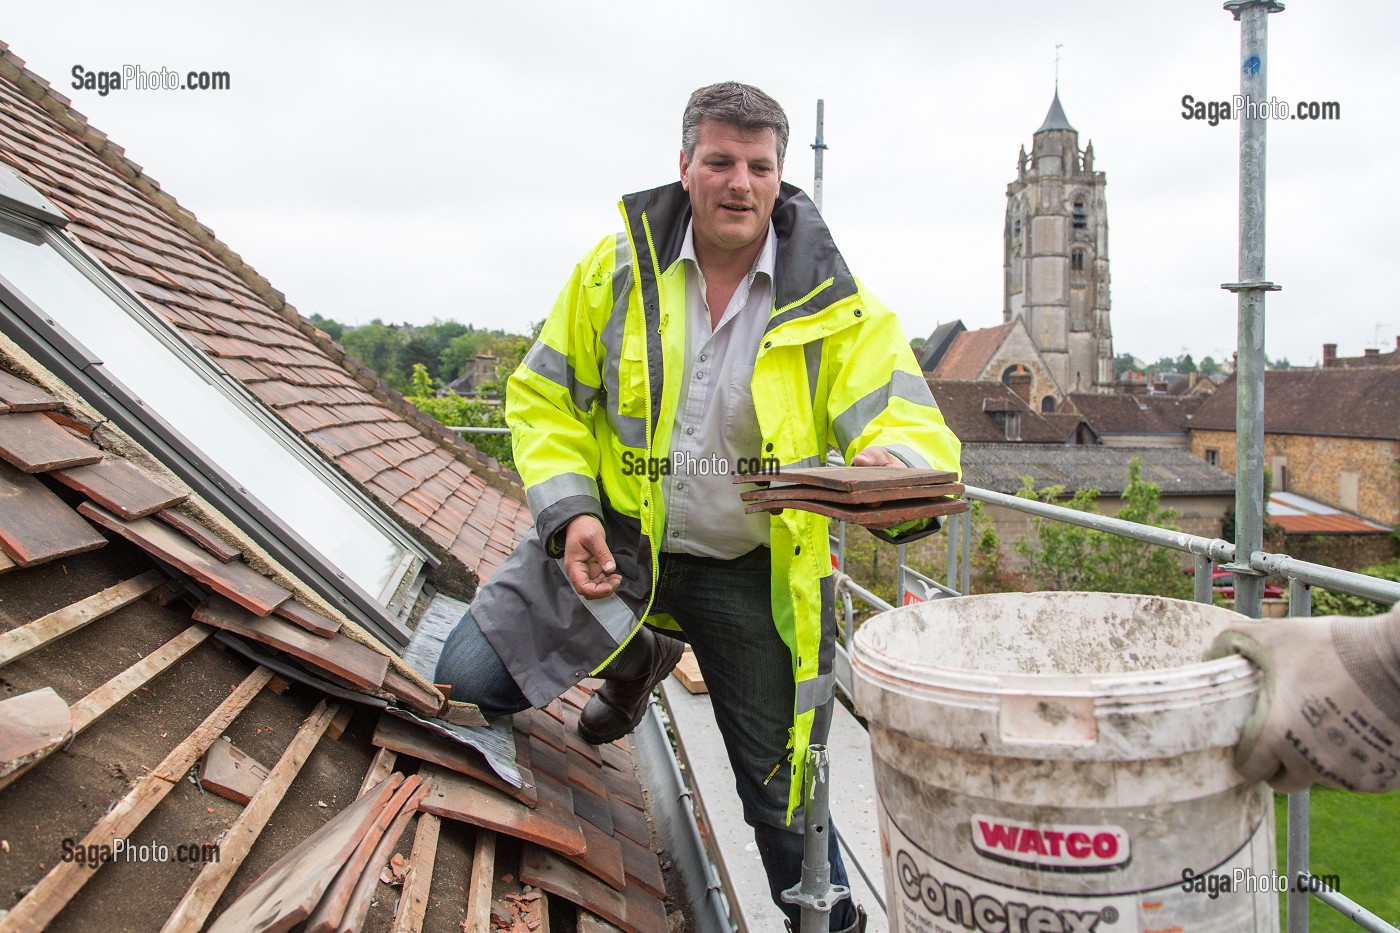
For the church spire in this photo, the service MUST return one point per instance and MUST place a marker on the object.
(1055, 118)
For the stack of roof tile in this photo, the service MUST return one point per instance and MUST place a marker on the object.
(327, 881)
(876, 497)
(578, 807)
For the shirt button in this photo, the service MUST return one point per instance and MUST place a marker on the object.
(703, 357)
(680, 485)
(699, 375)
(690, 430)
(675, 534)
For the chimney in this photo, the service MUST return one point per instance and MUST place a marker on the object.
(1020, 383)
(1329, 355)
(1372, 353)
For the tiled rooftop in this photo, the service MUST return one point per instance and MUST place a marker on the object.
(966, 408)
(1318, 402)
(459, 497)
(1001, 466)
(67, 491)
(970, 352)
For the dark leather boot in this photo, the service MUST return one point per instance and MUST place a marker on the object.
(616, 707)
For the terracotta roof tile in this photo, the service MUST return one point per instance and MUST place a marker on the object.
(1319, 402)
(969, 353)
(204, 291)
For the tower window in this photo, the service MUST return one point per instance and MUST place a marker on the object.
(1016, 226)
(1081, 214)
(1047, 404)
(1076, 260)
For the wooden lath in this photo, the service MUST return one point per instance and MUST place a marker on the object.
(57, 888)
(193, 909)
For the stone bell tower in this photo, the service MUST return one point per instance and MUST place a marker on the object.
(1056, 255)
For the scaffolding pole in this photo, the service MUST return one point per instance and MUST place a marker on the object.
(1250, 288)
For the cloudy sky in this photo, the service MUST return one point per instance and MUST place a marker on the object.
(415, 160)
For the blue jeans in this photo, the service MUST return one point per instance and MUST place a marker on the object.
(724, 607)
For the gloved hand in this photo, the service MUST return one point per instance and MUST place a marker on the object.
(1329, 710)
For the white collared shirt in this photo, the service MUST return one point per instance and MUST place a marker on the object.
(715, 421)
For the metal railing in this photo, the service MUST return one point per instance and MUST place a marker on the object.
(1208, 553)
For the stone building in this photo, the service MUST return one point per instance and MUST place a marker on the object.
(1055, 312)
(1329, 434)
(1056, 255)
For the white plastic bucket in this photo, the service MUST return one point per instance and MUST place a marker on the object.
(1058, 762)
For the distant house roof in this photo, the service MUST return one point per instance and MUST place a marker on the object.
(460, 498)
(1137, 414)
(1373, 356)
(1000, 467)
(1299, 515)
(968, 409)
(1320, 402)
(937, 344)
(969, 353)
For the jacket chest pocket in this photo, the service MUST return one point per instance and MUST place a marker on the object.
(632, 377)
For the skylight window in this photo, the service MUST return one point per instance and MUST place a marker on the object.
(241, 447)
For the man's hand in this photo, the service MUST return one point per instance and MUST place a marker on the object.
(877, 456)
(1329, 709)
(588, 563)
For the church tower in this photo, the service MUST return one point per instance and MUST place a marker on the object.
(1056, 256)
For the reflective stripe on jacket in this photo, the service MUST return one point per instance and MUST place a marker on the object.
(833, 369)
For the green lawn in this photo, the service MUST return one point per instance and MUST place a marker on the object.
(1357, 838)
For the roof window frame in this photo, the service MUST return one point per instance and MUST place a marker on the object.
(39, 334)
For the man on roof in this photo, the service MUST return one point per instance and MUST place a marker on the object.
(719, 332)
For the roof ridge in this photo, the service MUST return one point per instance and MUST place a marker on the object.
(60, 108)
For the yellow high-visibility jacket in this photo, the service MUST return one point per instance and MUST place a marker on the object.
(600, 388)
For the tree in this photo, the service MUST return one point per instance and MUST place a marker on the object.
(333, 329)
(455, 410)
(1328, 603)
(377, 344)
(1185, 365)
(1209, 367)
(1061, 556)
(1123, 364)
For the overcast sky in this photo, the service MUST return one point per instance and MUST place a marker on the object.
(415, 160)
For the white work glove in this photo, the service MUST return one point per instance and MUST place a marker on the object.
(1329, 710)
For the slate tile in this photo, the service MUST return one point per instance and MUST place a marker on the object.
(205, 538)
(405, 738)
(642, 867)
(36, 525)
(633, 910)
(34, 443)
(120, 486)
(234, 580)
(307, 618)
(341, 655)
(31, 726)
(458, 797)
(629, 821)
(624, 787)
(18, 395)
